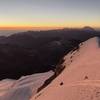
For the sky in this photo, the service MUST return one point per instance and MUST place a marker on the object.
(49, 13)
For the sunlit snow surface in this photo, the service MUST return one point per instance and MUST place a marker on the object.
(80, 79)
(23, 88)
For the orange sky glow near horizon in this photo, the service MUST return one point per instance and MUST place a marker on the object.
(15, 27)
(49, 14)
(47, 26)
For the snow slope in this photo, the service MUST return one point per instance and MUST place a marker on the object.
(23, 88)
(80, 79)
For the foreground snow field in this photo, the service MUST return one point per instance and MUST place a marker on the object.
(23, 88)
(80, 79)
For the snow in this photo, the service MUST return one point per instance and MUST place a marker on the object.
(80, 79)
(5, 85)
(23, 88)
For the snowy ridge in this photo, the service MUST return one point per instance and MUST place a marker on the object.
(80, 79)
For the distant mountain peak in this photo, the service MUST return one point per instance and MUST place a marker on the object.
(88, 28)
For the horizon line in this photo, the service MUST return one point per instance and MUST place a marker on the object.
(39, 27)
(29, 27)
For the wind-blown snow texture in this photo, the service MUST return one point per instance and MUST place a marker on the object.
(80, 79)
(23, 88)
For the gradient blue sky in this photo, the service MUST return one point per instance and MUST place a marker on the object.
(49, 13)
